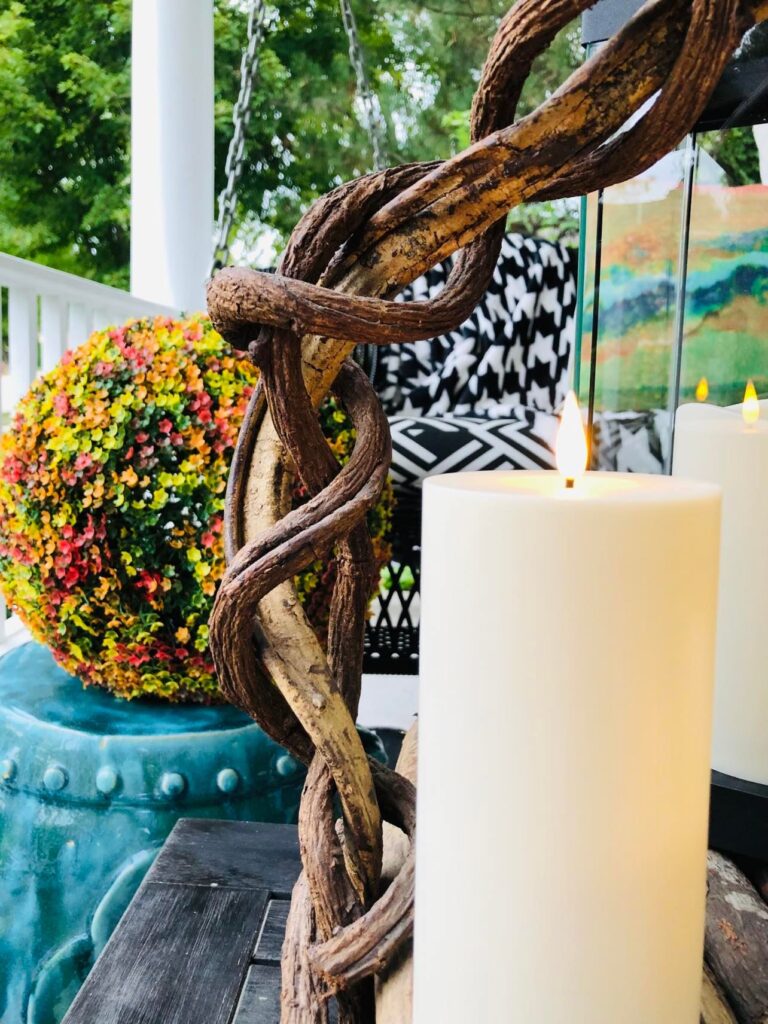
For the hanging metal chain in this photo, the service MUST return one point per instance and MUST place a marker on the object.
(241, 115)
(374, 119)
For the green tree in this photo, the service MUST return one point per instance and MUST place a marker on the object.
(736, 151)
(64, 134)
(65, 124)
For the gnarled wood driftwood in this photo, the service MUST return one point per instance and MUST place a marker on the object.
(348, 257)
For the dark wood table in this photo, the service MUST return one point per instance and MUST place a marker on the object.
(200, 942)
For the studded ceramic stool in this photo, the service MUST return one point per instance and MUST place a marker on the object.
(90, 786)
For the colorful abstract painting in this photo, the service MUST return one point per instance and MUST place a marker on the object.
(724, 282)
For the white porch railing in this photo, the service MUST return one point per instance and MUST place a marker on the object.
(50, 311)
(43, 312)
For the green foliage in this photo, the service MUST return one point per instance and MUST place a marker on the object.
(65, 130)
(64, 134)
(736, 152)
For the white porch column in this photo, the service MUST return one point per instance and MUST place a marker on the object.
(172, 198)
(760, 131)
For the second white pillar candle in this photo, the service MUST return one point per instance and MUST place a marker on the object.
(567, 653)
(717, 445)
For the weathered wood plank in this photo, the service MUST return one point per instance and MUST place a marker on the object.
(237, 854)
(260, 998)
(183, 948)
(269, 943)
(179, 956)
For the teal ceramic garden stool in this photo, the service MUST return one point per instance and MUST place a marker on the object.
(90, 786)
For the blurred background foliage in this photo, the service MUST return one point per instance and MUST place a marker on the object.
(65, 126)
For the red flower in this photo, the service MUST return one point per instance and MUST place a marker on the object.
(138, 657)
(61, 404)
(148, 581)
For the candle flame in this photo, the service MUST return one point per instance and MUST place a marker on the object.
(702, 390)
(751, 408)
(571, 448)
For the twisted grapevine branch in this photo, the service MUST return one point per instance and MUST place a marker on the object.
(352, 252)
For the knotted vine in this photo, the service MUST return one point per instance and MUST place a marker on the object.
(349, 256)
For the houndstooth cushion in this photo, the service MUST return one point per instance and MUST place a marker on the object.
(513, 350)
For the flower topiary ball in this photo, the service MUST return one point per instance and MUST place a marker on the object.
(112, 482)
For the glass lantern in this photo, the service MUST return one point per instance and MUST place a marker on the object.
(674, 270)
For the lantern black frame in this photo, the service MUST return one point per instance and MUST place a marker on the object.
(740, 100)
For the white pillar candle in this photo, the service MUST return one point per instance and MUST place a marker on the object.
(567, 663)
(718, 445)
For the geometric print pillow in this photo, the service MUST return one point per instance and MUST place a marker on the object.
(425, 445)
(626, 442)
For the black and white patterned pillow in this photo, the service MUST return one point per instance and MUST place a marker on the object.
(425, 445)
(513, 350)
(626, 442)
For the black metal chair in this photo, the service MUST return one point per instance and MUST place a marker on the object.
(392, 633)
